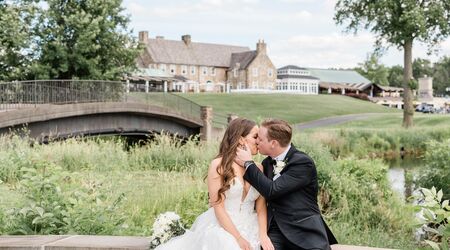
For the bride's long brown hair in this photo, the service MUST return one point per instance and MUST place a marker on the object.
(238, 128)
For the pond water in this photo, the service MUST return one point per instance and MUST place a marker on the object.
(399, 169)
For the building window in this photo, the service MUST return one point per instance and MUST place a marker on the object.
(173, 69)
(209, 86)
(235, 72)
(162, 67)
(270, 72)
(255, 71)
(213, 71)
(192, 70)
(204, 71)
(184, 70)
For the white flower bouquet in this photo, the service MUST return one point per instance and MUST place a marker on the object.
(166, 226)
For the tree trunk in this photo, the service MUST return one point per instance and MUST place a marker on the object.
(408, 108)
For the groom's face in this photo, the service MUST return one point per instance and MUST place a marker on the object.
(264, 145)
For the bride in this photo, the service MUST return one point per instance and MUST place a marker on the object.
(231, 222)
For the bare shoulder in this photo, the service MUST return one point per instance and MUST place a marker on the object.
(260, 166)
(215, 163)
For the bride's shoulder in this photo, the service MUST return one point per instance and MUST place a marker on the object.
(214, 165)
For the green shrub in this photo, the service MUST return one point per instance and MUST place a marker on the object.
(15, 153)
(435, 219)
(92, 211)
(437, 171)
(51, 209)
(45, 209)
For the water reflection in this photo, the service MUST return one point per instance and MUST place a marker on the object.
(401, 174)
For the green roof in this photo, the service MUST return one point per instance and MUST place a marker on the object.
(339, 76)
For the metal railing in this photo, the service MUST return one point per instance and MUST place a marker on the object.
(166, 99)
(15, 95)
(24, 94)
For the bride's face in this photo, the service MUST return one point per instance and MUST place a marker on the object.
(251, 138)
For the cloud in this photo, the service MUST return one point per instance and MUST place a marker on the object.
(334, 50)
(303, 34)
(135, 9)
(303, 15)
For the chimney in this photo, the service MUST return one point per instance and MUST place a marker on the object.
(261, 47)
(186, 39)
(143, 36)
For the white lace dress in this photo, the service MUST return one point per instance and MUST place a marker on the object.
(206, 232)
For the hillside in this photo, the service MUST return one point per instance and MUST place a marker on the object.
(290, 107)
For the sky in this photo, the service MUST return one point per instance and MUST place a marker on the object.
(298, 32)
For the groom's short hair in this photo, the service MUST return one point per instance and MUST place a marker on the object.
(278, 130)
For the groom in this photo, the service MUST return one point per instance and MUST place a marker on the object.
(289, 185)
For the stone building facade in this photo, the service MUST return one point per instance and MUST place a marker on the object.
(252, 70)
(207, 67)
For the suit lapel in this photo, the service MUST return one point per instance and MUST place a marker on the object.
(268, 168)
(288, 157)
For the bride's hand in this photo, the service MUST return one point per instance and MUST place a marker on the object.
(266, 243)
(243, 243)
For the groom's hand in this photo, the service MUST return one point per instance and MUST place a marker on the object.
(243, 155)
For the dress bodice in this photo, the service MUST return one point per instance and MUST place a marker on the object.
(207, 234)
(235, 204)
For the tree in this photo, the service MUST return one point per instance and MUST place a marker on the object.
(84, 39)
(422, 67)
(398, 23)
(373, 70)
(15, 39)
(395, 76)
(441, 76)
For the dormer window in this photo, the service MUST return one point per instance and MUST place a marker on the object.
(235, 72)
(270, 72)
(184, 70)
(213, 71)
(204, 71)
(192, 70)
(173, 69)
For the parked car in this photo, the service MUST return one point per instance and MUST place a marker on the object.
(428, 109)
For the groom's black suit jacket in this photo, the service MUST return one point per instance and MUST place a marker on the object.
(292, 200)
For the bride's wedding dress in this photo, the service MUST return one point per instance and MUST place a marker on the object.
(206, 232)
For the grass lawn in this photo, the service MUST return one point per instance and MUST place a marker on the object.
(290, 107)
(394, 121)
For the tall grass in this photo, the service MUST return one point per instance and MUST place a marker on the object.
(365, 143)
(167, 174)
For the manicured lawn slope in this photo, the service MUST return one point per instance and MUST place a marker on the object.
(293, 108)
(394, 121)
